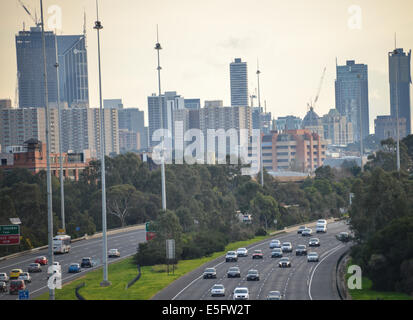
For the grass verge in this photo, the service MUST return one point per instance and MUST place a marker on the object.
(366, 293)
(153, 279)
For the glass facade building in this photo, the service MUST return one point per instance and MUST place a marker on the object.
(239, 83)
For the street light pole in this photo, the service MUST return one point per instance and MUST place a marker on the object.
(397, 113)
(98, 26)
(259, 115)
(48, 173)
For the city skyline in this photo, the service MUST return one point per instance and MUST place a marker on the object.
(196, 63)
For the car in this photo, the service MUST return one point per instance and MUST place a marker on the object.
(314, 242)
(114, 253)
(321, 228)
(41, 260)
(287, 247)
(210, 273)
(312, 257)
(284, 263)
(25, 276)
(86, 262)
(322, 222)
(16, 285)
(274, 295)
(241, 293)
(4, 277)
(3, 286)
(234, 272)
(231, 256)
(275, 244)
(301, 250)
(277, 253)
(242, 252)
(253, 275)
(300, 229)
(34, 267)
(307, 232)
(218, 290)
(343, 236)
(14, 274)
(74, 268)
(257, 254)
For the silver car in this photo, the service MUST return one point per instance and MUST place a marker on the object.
(4, 277)
(307, 232)
(274, 295)
(241, 294)
(218, 290)
(25, 276)
(242, 252)
(287, 247)
(275, 244)
(312, 257)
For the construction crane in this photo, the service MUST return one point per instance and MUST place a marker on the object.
(28, 12)
(312, 104)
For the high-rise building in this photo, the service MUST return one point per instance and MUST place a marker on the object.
(110, 127)
(337, 130)
(112, 103)
(192, 103)
(352, 96)
(128, 140)
(313, 123)
(386, 127)
(288, 123)
(400, 80)
(132, 119)
(5, 104)
(239, 83)
(73, 74)
(213, 103)
(261, 120)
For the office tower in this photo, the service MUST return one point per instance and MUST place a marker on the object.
(213, 103)
(132, 119)
(112, 103)
(73, 75)
(313, 123)
(261, 120)
(30, 68)
(239, 83)
(169, 101)
(128, 141)
(288, 123)
(337, 130)
(5, 104)
(386, 127)
(192, 104)
(352, 96)
(110, 127)
(400, 80)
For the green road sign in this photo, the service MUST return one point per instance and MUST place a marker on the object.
(9, 235)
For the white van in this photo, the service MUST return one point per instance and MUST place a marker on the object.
(321, 228)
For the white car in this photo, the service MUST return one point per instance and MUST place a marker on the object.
(322, 221)
(312, 257)
(218, 290)
(321, 228)
(25, 276)
(114, 253)
(231, 256)
(275, 244)
(307, 232)
(4, 277)
(241, 293)
(287, 247)
(242, 252)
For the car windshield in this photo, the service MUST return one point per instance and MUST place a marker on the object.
(313, 239)
(312, 254)
(241, 291)
(253, 272)
(234, 269)
(284, 259)
(286, 244)
(301, 246)
(258, 251)
(277, 250)
(209, 270)
(274, 294)
(218, 286)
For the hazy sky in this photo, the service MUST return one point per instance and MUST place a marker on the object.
(293, 40)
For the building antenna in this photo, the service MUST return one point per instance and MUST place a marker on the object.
(395, 41)
(258, 76)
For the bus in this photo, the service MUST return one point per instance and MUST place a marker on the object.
(61, 244)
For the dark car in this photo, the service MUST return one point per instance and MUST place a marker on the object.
(253, 275)
(284, 263)
(257, 254)
(86, 263)
(343, 236)
(314, 242)
(301, 250)
(234, 272)
(277, 253)
(16, 285)
(274, 295)
(210, 273)
(300, 229)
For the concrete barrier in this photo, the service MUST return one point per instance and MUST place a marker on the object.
(85, 237)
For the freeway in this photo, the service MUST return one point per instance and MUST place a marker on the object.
(127, 243)
(303, 281)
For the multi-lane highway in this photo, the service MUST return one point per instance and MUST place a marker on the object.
(126, 242)
(303, 281)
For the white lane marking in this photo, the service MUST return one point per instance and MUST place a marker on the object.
(328, 253)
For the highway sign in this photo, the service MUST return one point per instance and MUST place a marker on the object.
(9, 234)
(170, 249)
(23, 294)
(61, 231)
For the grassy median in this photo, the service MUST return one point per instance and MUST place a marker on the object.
(366, 293)
(153, 279)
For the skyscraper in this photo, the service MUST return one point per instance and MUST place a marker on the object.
(73, 74)
(239, 83)
(352, 96)
(400, 80)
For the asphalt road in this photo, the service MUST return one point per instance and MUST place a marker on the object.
(126, 242)
(303, 281)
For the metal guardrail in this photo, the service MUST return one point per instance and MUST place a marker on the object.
(85, 237)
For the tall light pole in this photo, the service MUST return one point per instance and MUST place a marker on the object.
(98, 26)
(48, 173)
(361, 126)
(62, 187)
(158, 48)
(260, 111)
